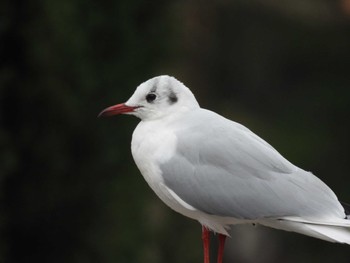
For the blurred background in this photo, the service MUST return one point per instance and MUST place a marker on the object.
(70, 191)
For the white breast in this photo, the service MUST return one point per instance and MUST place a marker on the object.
(150, 147)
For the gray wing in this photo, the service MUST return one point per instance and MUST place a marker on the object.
(222, 168)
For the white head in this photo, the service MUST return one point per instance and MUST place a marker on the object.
(156, 98)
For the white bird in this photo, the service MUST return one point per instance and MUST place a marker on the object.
(218, 172)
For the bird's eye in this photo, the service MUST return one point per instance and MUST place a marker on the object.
(151, 97)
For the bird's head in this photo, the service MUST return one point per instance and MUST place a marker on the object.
(156, 98)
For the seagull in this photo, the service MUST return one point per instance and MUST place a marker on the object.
(218, 172)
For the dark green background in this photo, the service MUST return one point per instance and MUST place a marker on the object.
(70, 191)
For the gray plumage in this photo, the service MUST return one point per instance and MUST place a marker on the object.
(241, 176)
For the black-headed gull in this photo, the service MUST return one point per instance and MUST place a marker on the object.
(218, 172)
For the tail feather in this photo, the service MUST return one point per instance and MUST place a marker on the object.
(338, 231)
(331, 233)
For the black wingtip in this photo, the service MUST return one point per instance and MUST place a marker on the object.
(346, 209)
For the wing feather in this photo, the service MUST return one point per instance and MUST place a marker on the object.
(222, 168)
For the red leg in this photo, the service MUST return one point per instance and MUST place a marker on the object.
(206, 241)
(222, 239)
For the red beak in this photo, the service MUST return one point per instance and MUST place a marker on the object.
(116, 109)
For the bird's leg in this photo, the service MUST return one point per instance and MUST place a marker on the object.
(206, 241)
(222, 239)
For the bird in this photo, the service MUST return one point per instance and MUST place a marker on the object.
(218, 172)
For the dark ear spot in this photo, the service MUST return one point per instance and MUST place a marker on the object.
(172, 97)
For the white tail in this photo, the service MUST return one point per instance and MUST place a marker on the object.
(337, 231)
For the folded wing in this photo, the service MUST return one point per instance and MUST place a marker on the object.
(222, 168)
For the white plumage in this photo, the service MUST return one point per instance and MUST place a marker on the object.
(218, 172)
